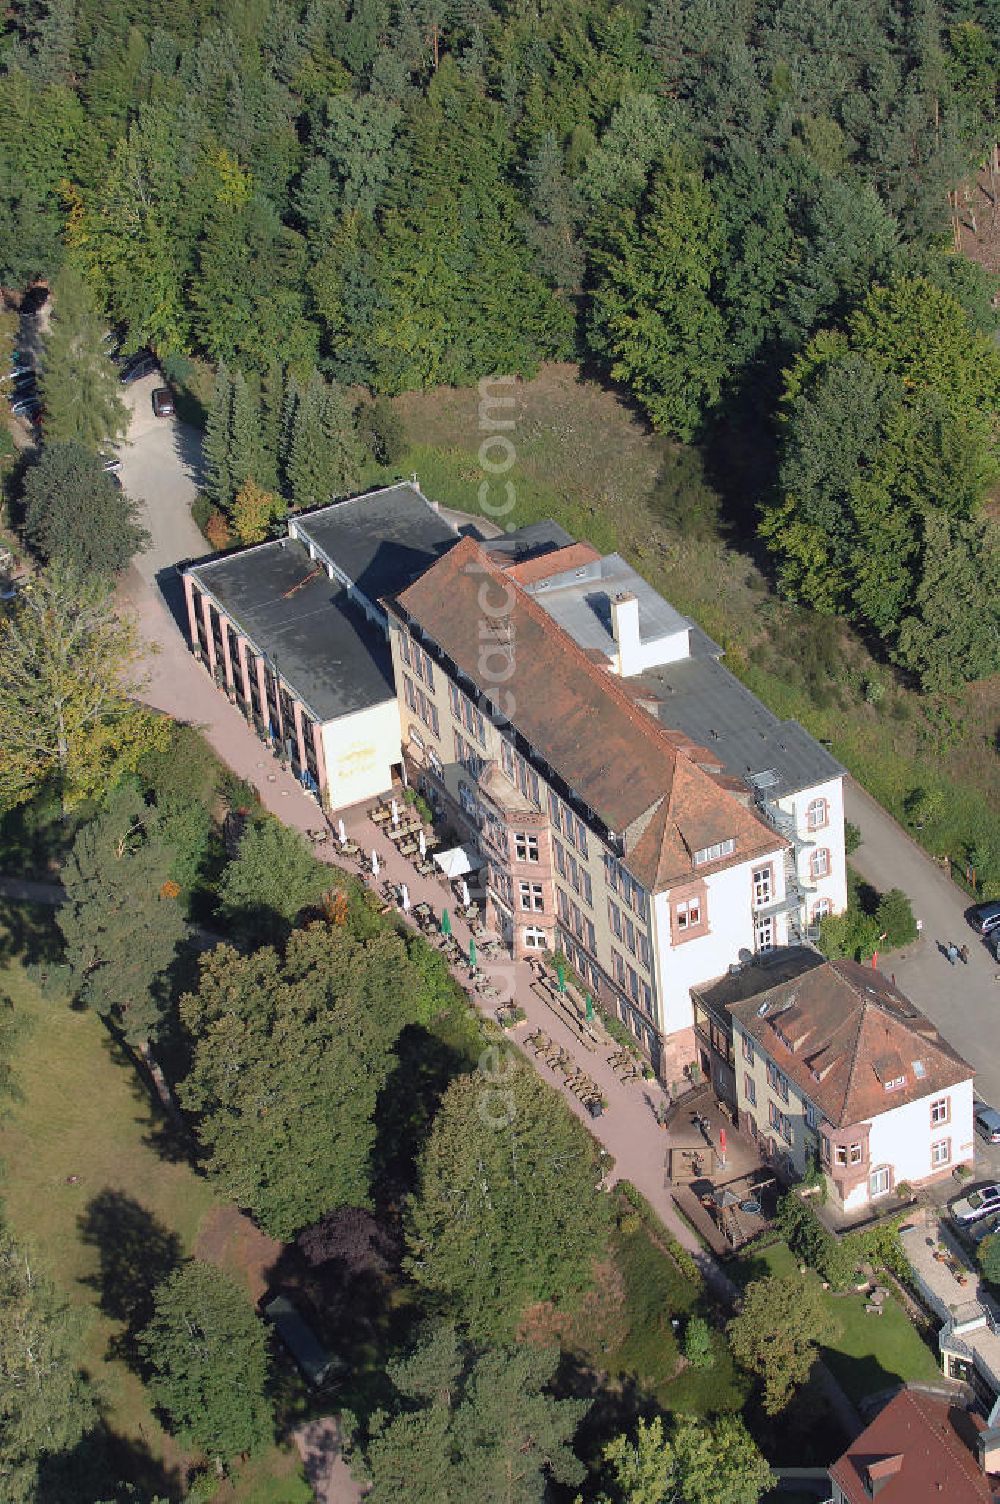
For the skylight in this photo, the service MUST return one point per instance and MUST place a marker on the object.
(919, 1069)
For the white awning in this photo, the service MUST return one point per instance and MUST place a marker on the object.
(458, 861)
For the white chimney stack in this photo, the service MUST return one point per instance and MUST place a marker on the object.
(625, 629)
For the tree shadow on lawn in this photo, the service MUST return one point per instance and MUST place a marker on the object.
(136, 1254)
(106, 1466)
(29, 934)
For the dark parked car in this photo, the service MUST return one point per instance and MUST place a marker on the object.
(163, 402)
(29, 407)
(139, 366)
(986, 917)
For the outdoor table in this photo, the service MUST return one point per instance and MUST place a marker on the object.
(751, 1207)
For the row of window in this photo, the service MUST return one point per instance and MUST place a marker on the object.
(631, 982)
(519, 773)
(574, 872)
(564, 820)
(466, 754)
(625, 885)
(421, 705)
(780, 1120)
(571, 915)
(714, 852)
(632, 936)
(415, 658)
(466, 713)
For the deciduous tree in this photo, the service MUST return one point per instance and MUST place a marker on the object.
(67, 715)
(45, 1401)
(289, 1056)
(778, 1332)
(272, 878)
(207, 1350)
(700, 1462)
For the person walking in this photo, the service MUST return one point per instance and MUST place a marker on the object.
(951, 952)
(963, 955)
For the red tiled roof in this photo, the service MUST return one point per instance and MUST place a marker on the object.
(934, 1440)
(840, 1031)
(573, 556)
(580, 719)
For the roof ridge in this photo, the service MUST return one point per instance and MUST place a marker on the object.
(962, 1454)
(607, 683)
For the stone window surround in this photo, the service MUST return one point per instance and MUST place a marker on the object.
(692, 890)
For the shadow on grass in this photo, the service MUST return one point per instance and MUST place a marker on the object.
(29, 934)
(107, 1467)
(136, 1253)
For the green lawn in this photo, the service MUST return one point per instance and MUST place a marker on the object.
(90, 1183)
(872, 1352)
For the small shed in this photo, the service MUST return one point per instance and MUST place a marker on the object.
(300, 1339)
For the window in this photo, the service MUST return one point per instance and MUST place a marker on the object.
(615, 917)
(750, 1089)
(840, 1154)
(507, 759)
(776, 1081)
(525, 847)
(404, 649)
(467, 756)
(940, 1111)
(748, 1054)
(644, 953)
(435, 762)
(559, 852)
(416, 739)
(581, 838)
(455, 696)
(618, 966)
(824, 1147)
(630, 935)
(773, 1116)
(501, 884)
(817, 814)
(409, 694)
(646, 996)
(534, 938)
(880, 1181)
(467, 799)
(762, 885)
(821, 908)
(763, 934)
(531, 895)
(713, 853)
(941, 1153)
(812, 1116)
(819, 862)
(854, 1154)
(687, 913)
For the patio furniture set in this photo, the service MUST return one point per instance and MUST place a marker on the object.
(574, 1079)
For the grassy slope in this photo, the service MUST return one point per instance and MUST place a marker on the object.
(582, 458)
(84, 1113)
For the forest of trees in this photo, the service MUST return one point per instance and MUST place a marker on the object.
(696, 197)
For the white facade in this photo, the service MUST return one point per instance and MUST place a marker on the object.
(901, 1140)
(818, 816)
(359, 751)
(732, 923)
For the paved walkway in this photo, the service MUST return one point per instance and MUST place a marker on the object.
(961, 1000)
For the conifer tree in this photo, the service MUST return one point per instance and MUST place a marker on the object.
(79, 386)
(122, 923)
(219, 486)
(324, 456)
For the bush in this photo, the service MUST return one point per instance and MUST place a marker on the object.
(989, 1258)
(894, 917)
(629, 1223)
(698, 1343)
(684, 1261)
(852, 838)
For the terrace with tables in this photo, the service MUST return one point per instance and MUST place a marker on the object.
(716, 1173)
(544, 1014)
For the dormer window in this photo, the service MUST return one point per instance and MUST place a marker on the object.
(895, 1083)
(713, 853)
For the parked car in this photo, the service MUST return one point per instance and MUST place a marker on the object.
(141, 365)
(976, 1205)
(986, 917)
(988, 1122)
(111, 463)
(163, 402)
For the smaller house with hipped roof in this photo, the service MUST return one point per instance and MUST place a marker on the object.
(836, 1065)
(920, 1449)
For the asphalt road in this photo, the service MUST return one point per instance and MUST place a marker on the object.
(963, 1001)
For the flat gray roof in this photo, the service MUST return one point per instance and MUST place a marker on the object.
(529, 542)
(709, 704)
(381, 541)
(326, 649)
(580, 601)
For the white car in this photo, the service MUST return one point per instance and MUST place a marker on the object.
(976, 1205)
